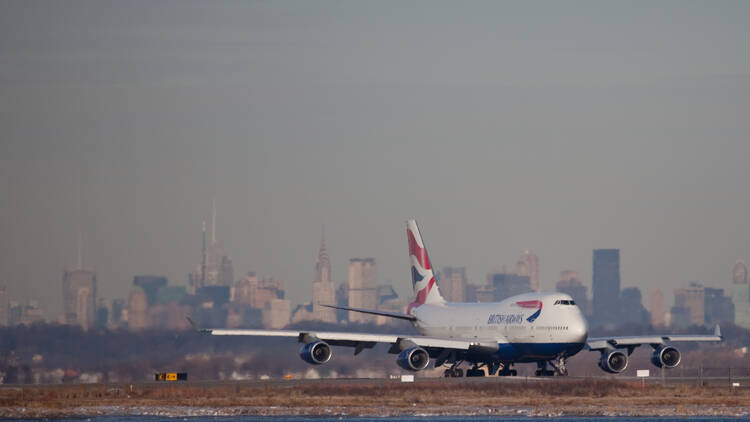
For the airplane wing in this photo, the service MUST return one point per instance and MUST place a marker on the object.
(631, 342)
(360, 341)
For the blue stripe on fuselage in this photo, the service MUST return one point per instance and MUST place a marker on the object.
(534, 316)
(530, 352)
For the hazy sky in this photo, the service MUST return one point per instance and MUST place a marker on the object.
(555, 126)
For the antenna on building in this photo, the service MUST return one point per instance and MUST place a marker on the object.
(213, 221)
(203, 257)
(79, 258)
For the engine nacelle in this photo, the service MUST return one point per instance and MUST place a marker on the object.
(316, 352)
(666, 357)
(414, 359)
(613, 361)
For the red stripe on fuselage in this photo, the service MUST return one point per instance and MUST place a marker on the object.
(419, 252)
(531, 304)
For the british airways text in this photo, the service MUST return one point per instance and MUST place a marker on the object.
(505, 319)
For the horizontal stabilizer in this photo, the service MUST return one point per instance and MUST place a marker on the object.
(396, 315)
(197, 328)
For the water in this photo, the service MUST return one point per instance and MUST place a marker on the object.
(391, 419)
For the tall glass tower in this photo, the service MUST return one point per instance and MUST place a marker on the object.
(606, 286)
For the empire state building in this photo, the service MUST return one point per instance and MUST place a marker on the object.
(324, 291)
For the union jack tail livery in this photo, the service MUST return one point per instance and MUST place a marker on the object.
(422, 277)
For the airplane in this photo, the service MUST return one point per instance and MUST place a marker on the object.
(546, 328)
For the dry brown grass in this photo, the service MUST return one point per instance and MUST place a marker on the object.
(569, 396)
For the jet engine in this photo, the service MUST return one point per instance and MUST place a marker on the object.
(613, 361)
(666, 357)
(316, 352)
(414, 359)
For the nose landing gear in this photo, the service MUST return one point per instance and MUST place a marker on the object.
(561, 369)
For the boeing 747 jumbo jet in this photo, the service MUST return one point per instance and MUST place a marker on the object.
(546, 328)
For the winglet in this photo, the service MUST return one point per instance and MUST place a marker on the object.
(717, 331)
(197, 328)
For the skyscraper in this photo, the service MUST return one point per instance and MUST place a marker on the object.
(693, 299)
(276, 313)
(257, 292)
(528, 265)
(79, 295)
(606, 286)
(32, 313)
(718, 308)
(504, 285)
(15, 312)
(362, 288)
(215, 268)
(137, 309)
(324, 292)
(151, 284)
(632, 310)
(740, 294)
(657, 308)
(3, 307)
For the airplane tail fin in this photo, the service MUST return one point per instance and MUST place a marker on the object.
(422, 276)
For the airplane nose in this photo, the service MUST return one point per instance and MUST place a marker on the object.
(580, 330)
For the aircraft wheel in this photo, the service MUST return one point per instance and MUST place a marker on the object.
(513, 373)
(458, 372)
(493, 368)
(474, 373)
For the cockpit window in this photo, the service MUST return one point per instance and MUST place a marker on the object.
(565, 302)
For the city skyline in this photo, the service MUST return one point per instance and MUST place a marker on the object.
(250, 301)
(501, 127)
(402, 288)
(323, 271)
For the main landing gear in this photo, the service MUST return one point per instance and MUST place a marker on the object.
(454, 371)
(542, 370)
(475, 371)
(558, 368)
(507, 371)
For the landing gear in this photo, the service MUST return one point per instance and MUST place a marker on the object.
(507, 371)
(559, 366)
(475, 371)
(454, 371)
(492, 368)
(542, 370)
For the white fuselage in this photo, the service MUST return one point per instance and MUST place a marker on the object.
(526, 327)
